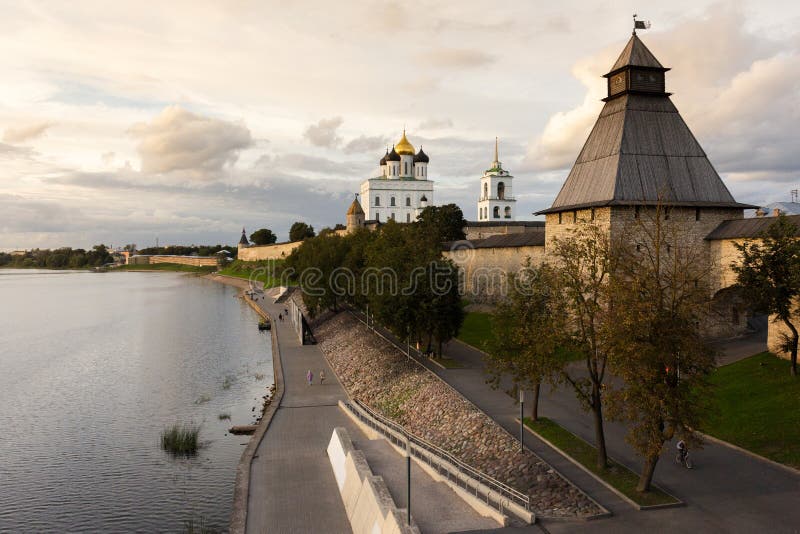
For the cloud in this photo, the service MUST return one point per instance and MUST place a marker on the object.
(736, 90)
(178, 140)
(436, 124)
(324, 132)
(28, 132)
(456, 58)
(362, 144)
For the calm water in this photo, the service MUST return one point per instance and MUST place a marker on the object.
(92, 367)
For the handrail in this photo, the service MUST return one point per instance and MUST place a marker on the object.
(504, 492)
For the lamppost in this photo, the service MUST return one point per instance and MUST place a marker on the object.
(521, 420)
(408, 476)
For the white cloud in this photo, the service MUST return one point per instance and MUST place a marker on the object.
(27, 132)
(324, 133)
(366, 145)
(178, 140)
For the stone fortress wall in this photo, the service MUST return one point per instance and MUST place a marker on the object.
(276, 251)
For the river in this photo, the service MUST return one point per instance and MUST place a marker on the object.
(93, 366)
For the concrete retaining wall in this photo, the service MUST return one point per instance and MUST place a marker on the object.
(367, 501)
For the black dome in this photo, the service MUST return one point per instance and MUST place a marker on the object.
(383, 159)
(421, 157)
(393, 156)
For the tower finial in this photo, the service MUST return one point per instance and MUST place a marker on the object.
(496, 158)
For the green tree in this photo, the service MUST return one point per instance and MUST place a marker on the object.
(585, 260)
(300, 231)
(660, 292)
(442, 223)
(526, 327)
(263, 236)
(769, 275)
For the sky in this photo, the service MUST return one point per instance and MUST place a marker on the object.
(124, 122)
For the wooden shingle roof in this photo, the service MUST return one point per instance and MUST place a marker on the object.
(748, 228)
(641, 151)
(636, 54)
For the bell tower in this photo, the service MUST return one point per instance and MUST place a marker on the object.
(496, 200)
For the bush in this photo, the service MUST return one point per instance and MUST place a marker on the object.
(180, 439)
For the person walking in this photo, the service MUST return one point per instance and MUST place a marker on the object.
(280, 318)
(322, 377)
(310, 377)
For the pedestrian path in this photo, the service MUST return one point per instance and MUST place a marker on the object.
(728, 491)
(292, 487)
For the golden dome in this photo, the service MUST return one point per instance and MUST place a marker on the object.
(403, 147)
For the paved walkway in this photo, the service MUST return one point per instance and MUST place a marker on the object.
(292, 487)
(728, 491)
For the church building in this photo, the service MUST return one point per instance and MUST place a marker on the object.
(496, 201)
(402, 189)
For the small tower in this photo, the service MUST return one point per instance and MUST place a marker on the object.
(392, 165)
(243, 242)
(355, 216)
(382, 163)
(421, 161)
(496, 200)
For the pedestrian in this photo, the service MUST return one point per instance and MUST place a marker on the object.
(310, 377)
(286, 311)
(322, 377)
(280, 318)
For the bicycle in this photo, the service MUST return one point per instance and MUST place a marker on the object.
(682, 458)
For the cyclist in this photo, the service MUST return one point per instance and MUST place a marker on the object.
(683, 454)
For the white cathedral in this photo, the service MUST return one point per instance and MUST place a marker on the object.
(402, 190)
(496, 201)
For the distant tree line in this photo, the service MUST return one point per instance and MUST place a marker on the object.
(59, 258)
(396, 272)
(187, 250)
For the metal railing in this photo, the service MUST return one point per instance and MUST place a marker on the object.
(495, 493)
(408, 350)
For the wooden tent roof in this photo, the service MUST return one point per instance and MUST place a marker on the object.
(640, 151)
(636, 54)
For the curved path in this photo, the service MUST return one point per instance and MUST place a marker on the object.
(728, 491)
(292, 487)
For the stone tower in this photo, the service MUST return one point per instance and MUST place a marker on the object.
(640, 155)
(355, 216)
(243, 242)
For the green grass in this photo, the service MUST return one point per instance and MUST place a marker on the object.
(224, 416)
(477, 330)
(180, 439)
(228, 382)
(615, 474)
(757, 408)
(448, 363)
(177, 267)
(245, 269)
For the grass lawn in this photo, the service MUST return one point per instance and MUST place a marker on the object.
(618, 476)
(757, 407)
(477, 330)
(245, 269)
(178, 267)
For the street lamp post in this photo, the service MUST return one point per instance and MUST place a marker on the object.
(408, 477)
(521, 420)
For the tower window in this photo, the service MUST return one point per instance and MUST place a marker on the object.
(496, 212)
(392, 216)
(636, 212)
(405, 168)
(666, 214)
(575, 216)
(408, 201)
(377, 201)
(560, 219)
(508, 212)
(697, 214)
(501, 190)
(408, 217)
(592, 213)
(485, 190)
(391, 201)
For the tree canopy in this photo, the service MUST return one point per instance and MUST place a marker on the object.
(263, 236)
(300, 231)
(769, 275)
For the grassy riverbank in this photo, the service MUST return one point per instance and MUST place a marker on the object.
(263, 271)
(756, 407)
(176, 267)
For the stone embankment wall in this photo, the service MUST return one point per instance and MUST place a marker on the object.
(197, 261)
(376, 373)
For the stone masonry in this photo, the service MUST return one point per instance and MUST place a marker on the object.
(376, 373)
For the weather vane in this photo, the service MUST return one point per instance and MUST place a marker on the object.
(639, 24)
